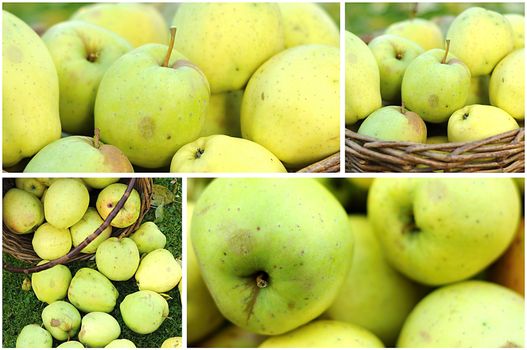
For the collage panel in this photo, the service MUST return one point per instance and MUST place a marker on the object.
(356, 262)
(179, 87)
(92, 262)
(435, 87)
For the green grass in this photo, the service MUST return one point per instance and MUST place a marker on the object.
(22, 308)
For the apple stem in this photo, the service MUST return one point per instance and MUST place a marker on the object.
(170, 45)
(261, 280)
(413, 11)
(96, 138)
(443, 61)
(403, 110)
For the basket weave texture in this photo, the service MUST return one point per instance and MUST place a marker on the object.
(330, 164)
(503, 153)
(20, 247)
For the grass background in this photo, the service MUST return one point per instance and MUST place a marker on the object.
(21, 308)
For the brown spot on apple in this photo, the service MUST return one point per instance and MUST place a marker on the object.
(146, 127)
(433, 101)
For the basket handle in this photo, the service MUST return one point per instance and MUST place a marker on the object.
(88, 240)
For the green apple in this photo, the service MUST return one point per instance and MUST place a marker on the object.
(232, 336)
(98, 329)
(308, 23)
(61, 319)
(108, 199)
(479, 91)
(151, 102)
(82, 53)
(148, 237)
(393, 123)
(470, 314)
(99, 182)
(144, 311)
(363, 84)
(393, 54)
(435, 85)
(22, 211)
(291, 105)
(443, 230)
(517, 23)
(434, 140)
(425, 33)
(225, 154)
(158, 271)
(30, 92)
(203, 316)
(91, 291)
(325, 334)
(507, 84)
(117, 258)
(228, 41)
(79, 154)
(30, 185)
(66, 202)
(50, 242)
(367, 297)
(120, 343)
(34, 336)
(480, 38)
(87, 225)
(478, 122)
(51, 284)
(223, 114)
(174, 342)
(71, 344)
(139, 24)
(272, 257)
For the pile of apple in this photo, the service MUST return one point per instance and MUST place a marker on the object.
(281, 261)
(468, 77)
(57, 213)
(250, 87)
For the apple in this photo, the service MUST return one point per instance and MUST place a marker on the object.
(509, 269)
(148, 237)
(30, 185)
(66, 202)
(51, 243)
(469, 314)
(325, 334)
(224, 154)
(232, 336)
(425, 33)
(479, 91)
(151, 102)
(228, 41)
(223, 114)
(480, 38)
(291, 105)
(435, 85)
(507, 84)
(517, 23)
(30, 92)
(478, 122)
(442, 230)
(393, 123)
(22, 211)
(393, 54)
(108, 199)
(99, 182)
(308, 23)
(272, 257)
(139, 24)
(367, 297)
(82, 53)
(79, 154)
(87, 225)
(34, 336)
(363, 84)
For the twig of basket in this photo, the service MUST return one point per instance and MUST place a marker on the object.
(330, 164)
(84, 243)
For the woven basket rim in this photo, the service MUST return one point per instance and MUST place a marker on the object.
(19, 246)
(504, 152)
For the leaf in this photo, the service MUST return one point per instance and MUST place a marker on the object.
(161, 195)
(160, 213)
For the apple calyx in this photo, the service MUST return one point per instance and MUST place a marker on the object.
(411, 227)
(262, 280)
(443, 61)
(465, 116)
(199, 153)
(170, 46)
(92, 56)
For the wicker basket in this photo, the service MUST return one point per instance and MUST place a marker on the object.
(330, 164)
(20, 247)
(503, 153)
